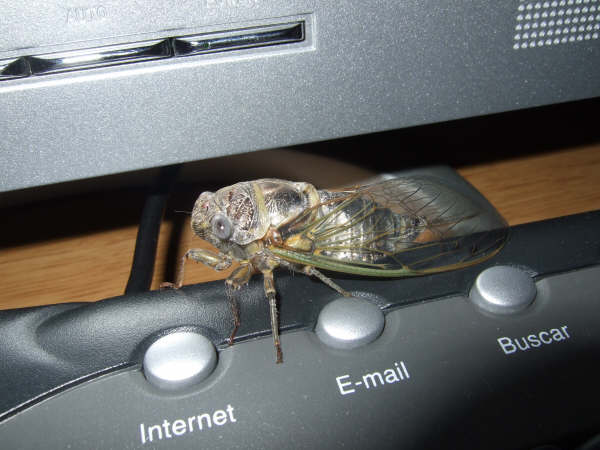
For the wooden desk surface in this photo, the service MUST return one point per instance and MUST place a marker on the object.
(91, 263)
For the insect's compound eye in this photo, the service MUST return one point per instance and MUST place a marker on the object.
(221, 226)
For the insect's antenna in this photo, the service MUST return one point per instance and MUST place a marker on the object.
(189, 213)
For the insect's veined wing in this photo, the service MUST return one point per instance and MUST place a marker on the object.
(399, 227)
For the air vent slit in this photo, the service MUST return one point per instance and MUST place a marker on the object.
(164, 48)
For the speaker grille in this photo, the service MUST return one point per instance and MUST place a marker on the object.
(555, 22)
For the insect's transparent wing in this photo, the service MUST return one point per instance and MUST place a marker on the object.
(404, 225)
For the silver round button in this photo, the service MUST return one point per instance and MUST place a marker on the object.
(179, 360)
(349, 323)
(503, 290)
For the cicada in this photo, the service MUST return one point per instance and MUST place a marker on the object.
(399, 227)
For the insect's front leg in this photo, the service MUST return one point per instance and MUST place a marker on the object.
(216, 261)
(271, 296)
(236, 280)
(266, 263)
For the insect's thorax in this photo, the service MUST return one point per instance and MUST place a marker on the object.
(255, 207)
(280, 201)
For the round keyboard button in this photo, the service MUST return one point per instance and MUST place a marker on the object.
(503, 290)
(349, 322)
(179, 360)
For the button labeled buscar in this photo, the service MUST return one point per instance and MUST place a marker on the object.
(349, 322)
(179, 360)
(503, 290)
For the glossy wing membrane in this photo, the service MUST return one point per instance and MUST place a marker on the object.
(399, 227)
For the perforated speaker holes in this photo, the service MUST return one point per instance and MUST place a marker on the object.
(556, 22)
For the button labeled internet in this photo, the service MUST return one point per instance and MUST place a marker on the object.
(179, 360)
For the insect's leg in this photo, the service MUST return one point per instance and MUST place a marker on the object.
(271, 296)
(216, 261)
(265, 263)
(237, 279)
(311, 271)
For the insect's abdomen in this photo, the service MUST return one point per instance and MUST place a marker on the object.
(361, 230)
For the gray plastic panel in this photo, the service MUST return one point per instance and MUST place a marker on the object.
(365, 66)
(437, 377)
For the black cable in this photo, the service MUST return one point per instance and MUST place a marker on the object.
(142, 268)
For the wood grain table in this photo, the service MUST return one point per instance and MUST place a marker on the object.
(79, 248)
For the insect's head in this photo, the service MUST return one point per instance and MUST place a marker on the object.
(227, 218)
(209, 222)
